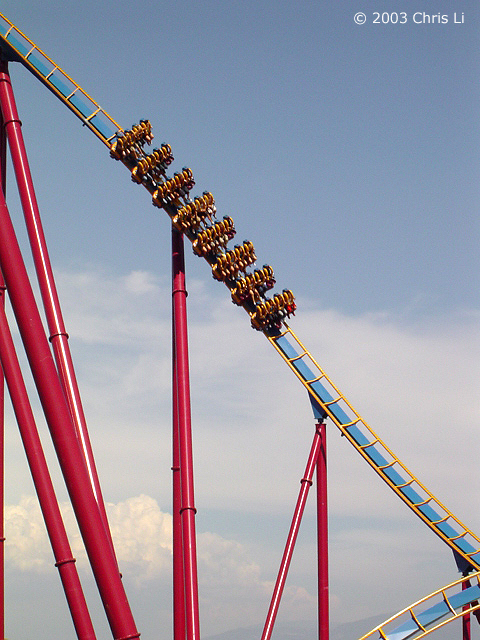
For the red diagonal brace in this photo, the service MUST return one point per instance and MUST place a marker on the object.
(306, 483)
(57, 414)
(53, 313)
(43, 485)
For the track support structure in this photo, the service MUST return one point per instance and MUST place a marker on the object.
(186, 609)
(53, 395)
(64, 560)
(466, 619)
(3, 186)
(58, 333)
(322, 536)
(316, 460)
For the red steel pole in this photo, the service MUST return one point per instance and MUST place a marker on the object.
(182, 409)
(306, 483)
(63, 433)
(466, 619)
(178, 579)
(58, 333)
(322, 536)
(3, 186)
(2, 480)
(43, 484)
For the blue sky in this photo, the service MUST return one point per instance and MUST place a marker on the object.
(348, 154)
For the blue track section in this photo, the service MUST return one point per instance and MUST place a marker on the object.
(18, 47)
(435, 614)
(370, 448)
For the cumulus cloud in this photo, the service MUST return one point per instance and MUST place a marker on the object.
(413, 380)
(107, 309)
(142, 535)
(25, 531)
(415, 384)
(141, 282)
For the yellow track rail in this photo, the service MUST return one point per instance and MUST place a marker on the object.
(16, 46)
(432, 612)
(420, 500)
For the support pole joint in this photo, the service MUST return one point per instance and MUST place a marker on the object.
(57, 335)
(66, 561)
(188, 509)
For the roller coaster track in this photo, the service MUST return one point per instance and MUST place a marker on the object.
(196, 219)
(432, 612)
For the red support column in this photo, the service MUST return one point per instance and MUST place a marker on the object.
(3, 186)
(322, 536)
(43, 485)
(181, 410)
(2, 480)
(466, 619)
(306, 483)
(178, 579)
(58, 333)
(57, 414)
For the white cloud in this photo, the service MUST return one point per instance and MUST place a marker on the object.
(142, 536)
(26, 538)
(233, 592)
(140, 282)
(223, 560)
(415, 382)
(120, 311)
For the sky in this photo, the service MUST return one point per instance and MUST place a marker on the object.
(348, 154)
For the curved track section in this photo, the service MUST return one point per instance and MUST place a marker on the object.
(197, 220)
(432, 612)
(18, 47)
(374, 451)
